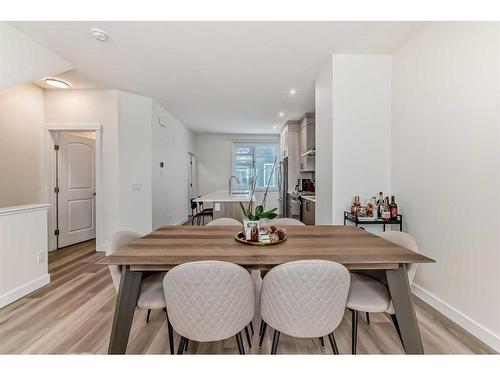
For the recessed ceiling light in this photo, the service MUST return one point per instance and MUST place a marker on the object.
(100, 34)
(292, 92)
(57, 83)
(281, 114)
(275, 126)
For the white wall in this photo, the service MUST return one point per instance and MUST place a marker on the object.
(353, 124)
(324, 144)
(171, 144)
(445, 167)
(214, 161)
(361, 129)
(21, 129)
(21, 269)
(24, 60)
(94, 107)
(134, 160)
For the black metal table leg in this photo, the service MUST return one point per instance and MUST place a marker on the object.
(126, 302)
(399, 287)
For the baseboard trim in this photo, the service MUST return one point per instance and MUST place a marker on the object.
(481, 333)
(182, 221)
(23, 290)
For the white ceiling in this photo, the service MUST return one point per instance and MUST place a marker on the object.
(217, 77)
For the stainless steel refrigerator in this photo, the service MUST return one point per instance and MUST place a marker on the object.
(283, 186)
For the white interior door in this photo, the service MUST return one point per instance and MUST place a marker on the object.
(76, 181)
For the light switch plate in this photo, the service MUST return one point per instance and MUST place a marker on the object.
(41, 257)
(216, 206)
(136, 187)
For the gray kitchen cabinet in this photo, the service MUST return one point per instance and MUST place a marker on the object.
(308, 211)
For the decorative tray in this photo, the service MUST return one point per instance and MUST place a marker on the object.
(240, 237)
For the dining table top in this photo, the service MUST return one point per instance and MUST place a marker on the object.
(171, 245)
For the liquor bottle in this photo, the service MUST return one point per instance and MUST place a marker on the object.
(393, 208)
(353, 206)
(369, 208)
(380, 204)
(386, 214)
(374, 208)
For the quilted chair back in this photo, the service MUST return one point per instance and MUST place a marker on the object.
(404, 240)
(287, 221)
(209, 300)
(119, 240)
(306, 298)
(225, 221)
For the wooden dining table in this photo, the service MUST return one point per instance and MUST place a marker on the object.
(355, 248)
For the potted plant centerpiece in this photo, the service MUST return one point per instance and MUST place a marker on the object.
(254, 213)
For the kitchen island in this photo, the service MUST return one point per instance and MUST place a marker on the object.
(226, 204)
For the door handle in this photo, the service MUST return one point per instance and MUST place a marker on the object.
(93, 193)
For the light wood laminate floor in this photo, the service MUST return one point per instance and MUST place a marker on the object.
(73, 314)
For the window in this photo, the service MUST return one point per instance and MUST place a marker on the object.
(265, 154)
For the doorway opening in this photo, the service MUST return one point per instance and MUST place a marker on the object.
(72, 182)
(191, 179)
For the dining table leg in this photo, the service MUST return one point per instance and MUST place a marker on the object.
(401, 296)
(126, 302)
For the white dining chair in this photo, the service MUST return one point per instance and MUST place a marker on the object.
(209, 301)
(304, 299)
(151, 293)
(287, 221)
(258, 274)
(228, 221)
(225, 221)
(370, 295)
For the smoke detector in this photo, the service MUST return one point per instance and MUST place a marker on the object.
(99, 34)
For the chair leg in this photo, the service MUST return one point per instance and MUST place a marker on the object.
(192, 220)
(367, 318)
(276, 339)
(182, 345)
(354, 330)
(247, 334)
(170, 334)
(333, 343)
(239, 341)
(322, 341)
(147, 316)
(186, 346)
(251, 327)
(396, 325)
(263, 326)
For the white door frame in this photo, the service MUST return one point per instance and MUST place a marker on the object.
(49, 176)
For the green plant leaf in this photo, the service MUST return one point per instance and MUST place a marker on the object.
(259, 210)
(269, 215)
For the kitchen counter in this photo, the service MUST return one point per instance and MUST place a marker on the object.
(226, 204)
(224, 196)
